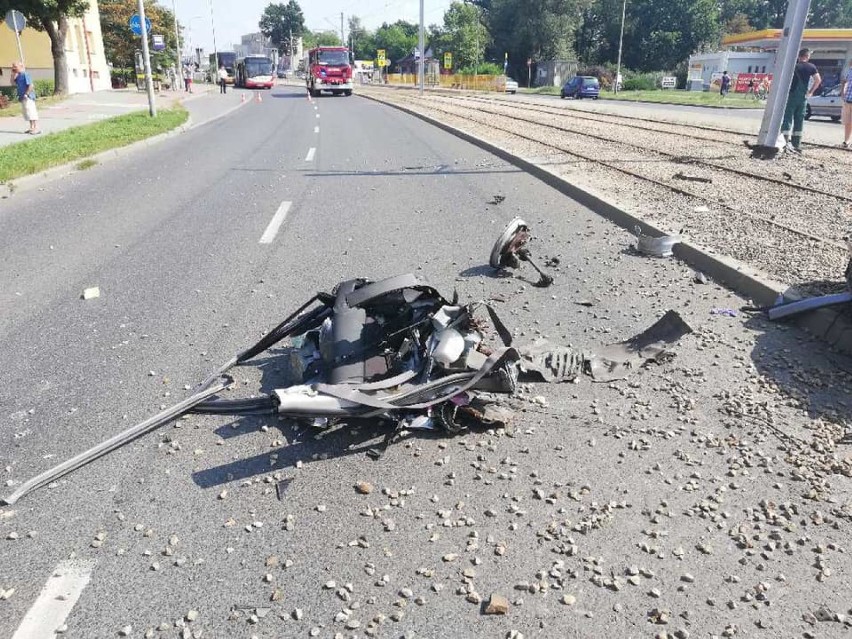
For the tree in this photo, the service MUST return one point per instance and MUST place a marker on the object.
(361, 40)
(120, 44)
(321, 39)
(538, 29)
(398, 39)
(737, 23)
(463, 34)
(51, 16)
(279, 22)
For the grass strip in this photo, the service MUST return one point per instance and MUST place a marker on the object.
(14, 108)
(62, 147)
(683, 98)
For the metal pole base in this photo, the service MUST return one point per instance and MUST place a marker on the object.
(760, 152)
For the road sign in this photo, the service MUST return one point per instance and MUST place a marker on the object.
(136, 24)
(158, 42)
(668, 82)
(16, 21)
(380, 57)
(448, 59)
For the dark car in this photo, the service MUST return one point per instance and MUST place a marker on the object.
(581, 86)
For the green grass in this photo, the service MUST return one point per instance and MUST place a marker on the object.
(689, 98)
(45, 151)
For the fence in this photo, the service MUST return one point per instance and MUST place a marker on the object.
(456, 81)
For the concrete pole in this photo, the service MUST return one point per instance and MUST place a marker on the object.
(215, 50)
(20, 48)
(785, 65)
(177, 41)
(146, 57)
(620, 43)
(342, 39)
(422, 45)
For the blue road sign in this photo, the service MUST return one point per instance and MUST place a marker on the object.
(136, 24)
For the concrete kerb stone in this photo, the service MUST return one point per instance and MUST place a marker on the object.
(28, 182)
(830, 325)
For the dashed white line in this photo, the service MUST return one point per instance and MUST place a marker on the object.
(310, 156)
(317, 115)
(56, 600)
(316, 129)
(275, 224)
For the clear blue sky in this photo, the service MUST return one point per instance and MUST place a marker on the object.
(233, 18)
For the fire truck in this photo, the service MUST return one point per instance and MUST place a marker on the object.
(328, 69)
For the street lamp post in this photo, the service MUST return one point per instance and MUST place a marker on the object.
(421, 43)
(191, 20)
(620, 43)
(215, 50)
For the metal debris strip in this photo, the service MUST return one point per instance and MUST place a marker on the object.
(655, 246)
(396, 350)
(788, 309)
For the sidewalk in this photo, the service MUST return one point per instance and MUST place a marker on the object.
(203, 104)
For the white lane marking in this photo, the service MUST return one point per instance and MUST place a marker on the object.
(317, 115)
(316, 129)
(310, 156)
(56, 600)
(275, 224)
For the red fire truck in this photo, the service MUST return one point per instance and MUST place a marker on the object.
(328, 69)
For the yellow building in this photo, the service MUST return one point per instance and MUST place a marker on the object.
(84, 53)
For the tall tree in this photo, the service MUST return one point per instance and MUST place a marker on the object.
(361, 40)
(120, 43)
(281, 21)
(463, 34)
(51, 16)
(538, 29)
(398, 40)
(321, 39)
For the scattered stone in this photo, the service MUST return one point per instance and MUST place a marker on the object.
(497, 605)
(125, 631)
(192, 615)
(91, 293)
(364, 487)
(569, 599)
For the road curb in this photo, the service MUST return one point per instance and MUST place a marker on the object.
(832, 326)
(28, 182)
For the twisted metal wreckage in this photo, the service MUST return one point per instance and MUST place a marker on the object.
(397, 350)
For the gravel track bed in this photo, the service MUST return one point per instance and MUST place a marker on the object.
(831, 178)
(810, 265)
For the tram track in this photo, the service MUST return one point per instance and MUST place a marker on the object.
(771, 232)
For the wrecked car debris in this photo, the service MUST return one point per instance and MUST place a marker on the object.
(783, 309)
(655, 246)
(510, 250)
(397, 351)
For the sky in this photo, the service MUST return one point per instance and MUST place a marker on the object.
(234, 18)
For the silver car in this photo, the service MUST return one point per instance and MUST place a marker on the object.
(825, 104)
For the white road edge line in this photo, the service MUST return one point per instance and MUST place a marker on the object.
(316, 129)
(57, 599)
(275, 224)
(310, 156)
(317, 115)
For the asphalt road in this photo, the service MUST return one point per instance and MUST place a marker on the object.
(172, 237)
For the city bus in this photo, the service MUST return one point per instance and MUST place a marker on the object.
(255, 72)
(226, 58)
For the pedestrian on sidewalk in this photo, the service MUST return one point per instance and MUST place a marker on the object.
(846, 93)
(187, 78)
(26, 96)
(223, 77)
(724, 84)
(806, 80)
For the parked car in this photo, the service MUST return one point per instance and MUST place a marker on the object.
(511, 86)
(581, 86)
(826, 103)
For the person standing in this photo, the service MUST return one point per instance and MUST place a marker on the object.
(725, 84)
(187, 79)
(26, 96)
(801, 88)
(846, 93)
(223, 78)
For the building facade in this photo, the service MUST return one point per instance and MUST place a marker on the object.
(84, 53)
(755, 52)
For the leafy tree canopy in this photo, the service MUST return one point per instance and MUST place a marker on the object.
(279, 21)
(120, 43)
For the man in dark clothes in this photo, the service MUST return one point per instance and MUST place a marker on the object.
(724, 84)
(800, 90)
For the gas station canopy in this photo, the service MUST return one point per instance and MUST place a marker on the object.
(818, 39)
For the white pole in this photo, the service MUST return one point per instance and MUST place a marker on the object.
(620, 43)
(215, 50)
(177, 40)
(422, 45)
(20, 48)
(788, 53)
(146, 56)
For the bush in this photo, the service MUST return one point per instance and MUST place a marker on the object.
(9, 92)
(642, 81)
(43, 88)
(483, 68)
(604, 75)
